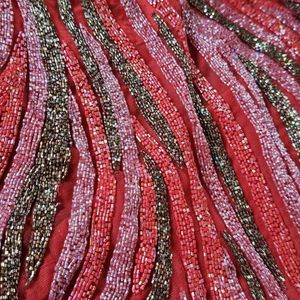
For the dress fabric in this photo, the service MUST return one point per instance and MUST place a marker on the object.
(149, 149)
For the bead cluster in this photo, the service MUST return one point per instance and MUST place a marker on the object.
(252, 281)
(221, 158)
(145, 255)
(136, 87)
(32, 123)
(49, 168)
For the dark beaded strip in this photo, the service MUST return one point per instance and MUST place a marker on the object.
(49, 169)
(220, 156)
(293, 6)
(160, 282)
(278, 99)
(144, 100)
(109, 118)
(246, 270)
(250, 39)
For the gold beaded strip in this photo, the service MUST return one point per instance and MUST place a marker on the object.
(49, 169)
(136, 87)
(250, 39)
(246, 270)
(109, 118)
(278, 99)
(220, 156)
(160, 283)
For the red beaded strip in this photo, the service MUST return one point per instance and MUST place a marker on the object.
(182, 214)
(104, 196)
(121, 265)
(145, 255)
(12, 88)
(6, 30)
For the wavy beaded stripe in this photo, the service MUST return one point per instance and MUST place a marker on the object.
(12, 88)
(287, 112)
(78, 231)
(108, 115)
(52, 161)
(6, 30)
(182, 119)
(146, 252)
(32, 122)
(176, 76)
(105, 188)
(239, 144)
(121, 264)
(182, 214)
(254, 285)
(160, 283)
(250, 39)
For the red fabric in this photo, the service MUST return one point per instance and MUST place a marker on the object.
(40, 287)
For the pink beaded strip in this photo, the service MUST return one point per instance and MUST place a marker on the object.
(214, 254)
(104, 196)
(32, 123)
(182, 214)
(278, 11)
(273, 149)
(78, 229)
(121, 265)
(146, 252)
(245, 22)
(271, 25)
(12, 88)
(6, 30)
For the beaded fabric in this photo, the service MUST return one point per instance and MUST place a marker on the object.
(149, 149)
